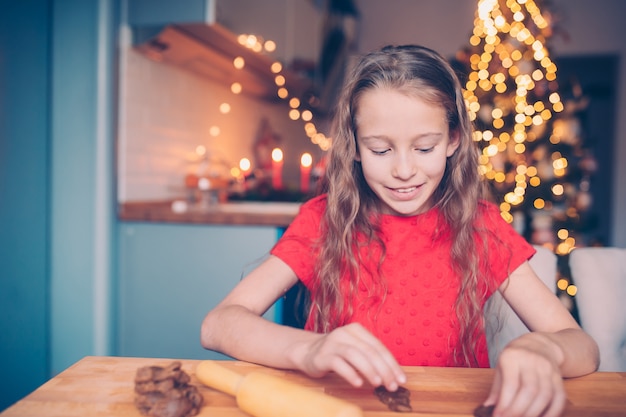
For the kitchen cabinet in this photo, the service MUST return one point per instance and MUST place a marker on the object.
(202, 37)
(170, 275)
(160, 12)
(289, 23)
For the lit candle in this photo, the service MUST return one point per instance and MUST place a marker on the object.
(245, 167)
(277, 168)
(306, 161)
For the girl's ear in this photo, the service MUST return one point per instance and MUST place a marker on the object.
(453, 143)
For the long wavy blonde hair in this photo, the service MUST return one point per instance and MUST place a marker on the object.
(352, 208)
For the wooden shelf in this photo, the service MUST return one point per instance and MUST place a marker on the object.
(161, 212)
(209, 50)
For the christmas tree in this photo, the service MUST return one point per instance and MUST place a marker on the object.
(528, 127)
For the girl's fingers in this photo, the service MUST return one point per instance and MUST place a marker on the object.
(380, 365)
(347, 372)
(509, 385)
(526, 388)
(494, 393)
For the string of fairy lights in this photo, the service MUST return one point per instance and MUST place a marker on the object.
(509, 48)
(296, 110)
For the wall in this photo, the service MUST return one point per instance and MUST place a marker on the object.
(81, 154)
(167, 112)
(295, 26)
(24, 197)
(56, 90)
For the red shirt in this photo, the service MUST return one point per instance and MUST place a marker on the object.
(416, 321)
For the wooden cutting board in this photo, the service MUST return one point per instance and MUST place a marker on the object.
(104, 386)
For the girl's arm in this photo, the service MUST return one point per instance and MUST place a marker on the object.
(543, 313)
(236, 328)
(529, 374)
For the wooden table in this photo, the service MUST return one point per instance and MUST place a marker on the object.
(103, 386)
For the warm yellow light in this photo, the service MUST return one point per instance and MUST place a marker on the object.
(279, 80)
(224, 108)
(310, 129)
(235, 88)
(562, 284)
(251, 40)
(491, 150)
(306, 160)
(557, 189)
(277, 155)
(201, 150)
(270, 46)
(276, 67)
(307, 115)
(294, 114)
(554, 98)
(508, 217)
(539, 203)
(560, 163)
(239, 62)
(214, 131)
(283, 93)
(572, 290)
(245, 164)
(294, 103)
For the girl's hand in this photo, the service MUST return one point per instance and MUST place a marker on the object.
(528, 380)
(353, 353)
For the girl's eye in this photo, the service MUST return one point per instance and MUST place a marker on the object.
(426, 150)
(376, 152)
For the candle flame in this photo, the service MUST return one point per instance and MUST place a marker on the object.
(277, 155)
(306, 160)
(244, 164)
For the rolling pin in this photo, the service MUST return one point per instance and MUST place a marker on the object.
(263, 395)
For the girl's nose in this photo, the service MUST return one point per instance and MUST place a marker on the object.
(403, 167)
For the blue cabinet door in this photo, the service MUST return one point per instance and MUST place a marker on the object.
(172, 275)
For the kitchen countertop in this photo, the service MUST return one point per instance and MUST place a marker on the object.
(279, 214)
(104, 386)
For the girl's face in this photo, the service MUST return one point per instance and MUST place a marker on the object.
(403, 144)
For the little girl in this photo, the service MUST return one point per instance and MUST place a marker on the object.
(401, 252)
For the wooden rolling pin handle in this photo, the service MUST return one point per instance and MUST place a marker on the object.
(219, 377)
(264, 395)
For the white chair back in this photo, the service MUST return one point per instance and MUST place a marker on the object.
(600, 276)
(501, 323)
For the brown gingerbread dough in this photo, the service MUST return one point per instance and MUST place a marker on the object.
(484, 411)
(398, 400)
(165, 392)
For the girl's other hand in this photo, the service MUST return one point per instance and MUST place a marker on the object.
(353, 353)
(528, 380)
